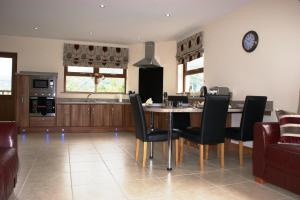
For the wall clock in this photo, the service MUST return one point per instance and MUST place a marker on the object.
(250, 41)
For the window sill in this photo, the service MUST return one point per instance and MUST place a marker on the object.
(66, 92)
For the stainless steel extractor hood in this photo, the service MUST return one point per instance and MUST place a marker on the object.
(149, 61)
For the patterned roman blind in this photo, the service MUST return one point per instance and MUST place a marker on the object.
(95, 56)
(190, 48)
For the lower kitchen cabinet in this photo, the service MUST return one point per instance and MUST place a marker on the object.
(117, 116)
(80, 115)
(63, 115)
(107, 115)
(100, 115)
(128, 121)
(42, 121)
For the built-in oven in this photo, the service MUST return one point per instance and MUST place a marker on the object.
(42, 106)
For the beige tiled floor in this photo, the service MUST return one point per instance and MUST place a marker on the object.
(102, 166)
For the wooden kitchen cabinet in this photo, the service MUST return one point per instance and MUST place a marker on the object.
(80, 115)
(63, 115)
(42, 121)
(116, 116)
(22, 103)
(128, 121)
(100, 115)
(107, 115)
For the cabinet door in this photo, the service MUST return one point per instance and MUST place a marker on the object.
(100, 115)
(22, 106)
(80, 115)
(63, 114)
(128, 117)
(42, 121)
(117, 116)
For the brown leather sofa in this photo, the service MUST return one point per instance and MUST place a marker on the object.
(8, 159)
(278, 164)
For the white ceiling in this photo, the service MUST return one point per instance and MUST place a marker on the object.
(121, 21)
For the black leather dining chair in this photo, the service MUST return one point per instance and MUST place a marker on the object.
(253, 111)
(143, 133)
(212, 129)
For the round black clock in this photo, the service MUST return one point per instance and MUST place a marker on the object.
(250, 41)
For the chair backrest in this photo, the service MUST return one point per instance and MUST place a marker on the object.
(180, 120)
(213, 120)
(139, 116)
(253, 112)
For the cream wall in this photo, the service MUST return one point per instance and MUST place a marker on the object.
(273, 69)
(45, 55)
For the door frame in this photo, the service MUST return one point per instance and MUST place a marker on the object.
(14, 57)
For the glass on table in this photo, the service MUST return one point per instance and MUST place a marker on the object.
(170, 104)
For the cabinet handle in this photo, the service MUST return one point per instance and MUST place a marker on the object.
(22, 99)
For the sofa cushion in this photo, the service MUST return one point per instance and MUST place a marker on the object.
(9, 164)
(285, 157)
(289, 127)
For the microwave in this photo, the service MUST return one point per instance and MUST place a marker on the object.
(42, 83)
(42, 86)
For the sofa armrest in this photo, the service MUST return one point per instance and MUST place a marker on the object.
(8, 134)
(265, 133)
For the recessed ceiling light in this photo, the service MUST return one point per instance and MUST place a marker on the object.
(102, 6)
(168, 14)
(36, 28)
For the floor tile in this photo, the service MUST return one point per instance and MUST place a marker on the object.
(85, 166)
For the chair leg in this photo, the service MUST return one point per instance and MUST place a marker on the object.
(181, 150)
(221, 155)
(137, 149)
(201, 149)
(144, 154)
(206, 151)
(241, 153)
(176, 152)
(218, 151)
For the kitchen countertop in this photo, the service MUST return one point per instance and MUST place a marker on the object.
(90, 101)
(235, 103)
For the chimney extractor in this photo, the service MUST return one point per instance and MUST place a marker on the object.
(149, 61)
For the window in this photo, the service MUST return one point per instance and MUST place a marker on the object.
(191, 75)
(97, 80)
(6, 66)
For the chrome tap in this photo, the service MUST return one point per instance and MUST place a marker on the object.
(88, 96)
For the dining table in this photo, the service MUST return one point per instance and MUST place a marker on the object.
(161, 108)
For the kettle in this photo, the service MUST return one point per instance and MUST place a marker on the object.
(203, 91)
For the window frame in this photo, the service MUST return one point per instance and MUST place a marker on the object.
(190, 72)
(96, 71)
(14, 57)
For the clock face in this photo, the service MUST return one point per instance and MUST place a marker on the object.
(250, 41)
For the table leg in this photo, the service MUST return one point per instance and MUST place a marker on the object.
(169, 168)
(152, 128)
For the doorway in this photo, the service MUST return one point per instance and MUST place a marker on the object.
(8, 69)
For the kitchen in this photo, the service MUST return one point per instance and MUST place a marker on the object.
(96, 122)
